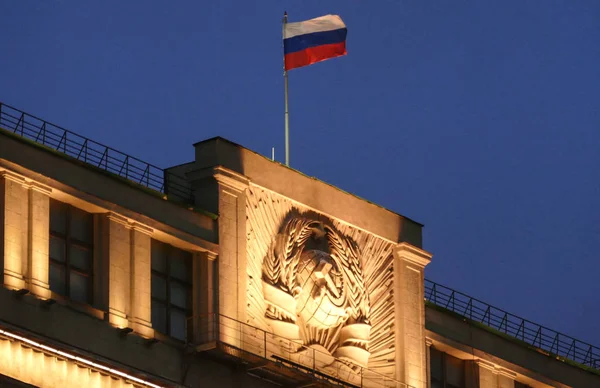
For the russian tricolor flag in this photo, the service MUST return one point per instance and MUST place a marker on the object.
(312, 41)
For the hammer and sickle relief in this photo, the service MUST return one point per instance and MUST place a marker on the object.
(314, 290)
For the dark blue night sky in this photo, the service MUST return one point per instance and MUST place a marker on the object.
(479, 119)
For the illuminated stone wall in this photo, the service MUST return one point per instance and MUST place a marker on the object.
(47, 369)
(335, 290)
(25, 233)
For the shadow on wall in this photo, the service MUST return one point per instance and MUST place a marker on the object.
(310, 191)
(199, 174)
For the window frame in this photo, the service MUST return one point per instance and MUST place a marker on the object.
(166, 276)
(444, 365)
(70, 241)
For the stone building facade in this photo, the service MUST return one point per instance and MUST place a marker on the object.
(231, 270)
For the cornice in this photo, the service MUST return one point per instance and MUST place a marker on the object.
(141, 228)
(40, 188)
(13, 177)
(412, 254)
(505, 372)
(486, 365)
(25, 182)
(231, 178)
(222, 175)
(495, 368)
(119, 219)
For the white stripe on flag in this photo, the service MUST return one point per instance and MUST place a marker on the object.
(320, 24)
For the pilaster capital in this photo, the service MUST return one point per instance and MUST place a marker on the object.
(486, 365)
(25, 182)
(224, 176)
(13, 177)
(119, 219)
(505, 372)
(417, 256)
(428, 342)
(40, 188)
(141, 228)
(210, 256)
(231, 179)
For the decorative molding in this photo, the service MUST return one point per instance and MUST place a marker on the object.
(412, 254)
(25, 182)
(40, 188)
(29, 363)
(141, 228)
(428, 342)
(223, 175)
(119, 219)
(14, 177)
(505, 372)
(231, 178)
(211, 256)
(496, 369)
(486, 365)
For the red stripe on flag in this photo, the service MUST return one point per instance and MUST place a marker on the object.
(314, 55)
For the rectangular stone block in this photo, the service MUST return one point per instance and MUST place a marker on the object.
(140, 311)
(14, 230)
(505, 382)
(119, 265)
(39, 232)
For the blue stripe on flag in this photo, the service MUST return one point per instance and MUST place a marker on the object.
(302, 42)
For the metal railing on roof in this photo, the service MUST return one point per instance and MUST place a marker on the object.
(244, 339)
(538, 336)
(93, 153)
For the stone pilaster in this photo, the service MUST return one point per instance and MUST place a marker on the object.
(39, 240)
(488, 377)
(428, 344)
(409, 309)
(140, 316)
(25, 231)
(232, 243)
(14, 229)
(118, 237)
(205, 329)
(506, 378)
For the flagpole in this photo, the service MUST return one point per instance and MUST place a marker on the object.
(285, 93)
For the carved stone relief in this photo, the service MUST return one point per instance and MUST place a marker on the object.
(320, 283)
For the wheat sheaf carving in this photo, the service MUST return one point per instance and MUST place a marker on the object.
(278, 234)
(281, 263)
(346, 253)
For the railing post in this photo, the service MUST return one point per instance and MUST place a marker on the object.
(241, 336)
(588, 354)
(471, 309)
(361, 376)
(265, 342)
(214, 327)
(556, 341)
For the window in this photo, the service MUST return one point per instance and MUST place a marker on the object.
(446, 371)
(171, 289)
(71, 251)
